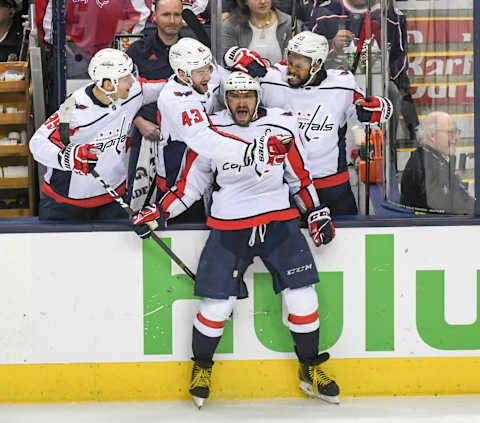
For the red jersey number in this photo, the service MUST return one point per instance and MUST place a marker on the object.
(194, 115)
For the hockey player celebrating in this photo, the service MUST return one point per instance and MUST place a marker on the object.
(323, 100)
(182, 113)
(97, 117)
(251, 216)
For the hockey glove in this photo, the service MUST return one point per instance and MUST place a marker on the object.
(147, 220)
(374, 110)
(244, 60)
(270, 152)
(79, 158)
(320, 225)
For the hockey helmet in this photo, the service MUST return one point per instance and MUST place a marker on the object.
(111, 64)
(240, 81)
(187, 55)
(311, 45)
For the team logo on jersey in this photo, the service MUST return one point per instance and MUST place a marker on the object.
(100, 3)
(180, 94)
(314, 125)
(112, 138)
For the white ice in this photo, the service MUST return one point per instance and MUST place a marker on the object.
(441, 409)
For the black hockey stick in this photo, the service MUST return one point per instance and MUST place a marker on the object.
(151, 225)
(192, 21)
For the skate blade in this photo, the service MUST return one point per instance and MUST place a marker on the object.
(198, 401)
(307, 389)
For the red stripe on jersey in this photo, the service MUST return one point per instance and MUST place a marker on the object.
(332, 180)
(225, 134)
(149, 81)
(298, 166)
(210, 323)
(357, 96)
(99, 200)
(159, 119)
(161, 183)
(303, 320)
(250, 222)
(55, 138)
(167, 200)
(306, 198)
(191, 156)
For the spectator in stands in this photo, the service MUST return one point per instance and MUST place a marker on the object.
(10, 30)
(429, 180)
(259, 26)
(151, 57)
(91, 26)
(341, 22)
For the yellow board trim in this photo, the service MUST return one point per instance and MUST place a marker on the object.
(440, 18)
(234, 379)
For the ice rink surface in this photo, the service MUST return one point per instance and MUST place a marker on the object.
(442, 409)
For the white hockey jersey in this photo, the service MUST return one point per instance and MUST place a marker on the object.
(183, 118)
(322, 113)
(92, 122)
(243, 197)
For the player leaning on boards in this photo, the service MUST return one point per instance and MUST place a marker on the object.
(251, 216)
(99, 118)
(323, 100)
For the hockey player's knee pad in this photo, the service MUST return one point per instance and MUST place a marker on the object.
(300, 309)
(210, 319)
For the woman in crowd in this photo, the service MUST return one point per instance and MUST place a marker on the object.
(259, 26)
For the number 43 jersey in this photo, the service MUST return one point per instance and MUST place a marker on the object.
(322, 111)
(184, 122)
(243, 197)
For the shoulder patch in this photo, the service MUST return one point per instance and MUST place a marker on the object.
(181, 94)
(345, 73)
(287, 114)
(80, 106)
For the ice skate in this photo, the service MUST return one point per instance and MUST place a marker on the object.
(200, 384)
(315, 382)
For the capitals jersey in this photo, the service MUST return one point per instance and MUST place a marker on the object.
(322, 112)
(92, 122)
(184, 122)
(242, 196)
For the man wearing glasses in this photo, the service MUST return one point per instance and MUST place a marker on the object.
(429, 180)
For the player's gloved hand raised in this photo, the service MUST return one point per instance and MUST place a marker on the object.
(374, 110)
(147, 220)
(79, 158)
(266, 152)
(245, 60)
(320, 225)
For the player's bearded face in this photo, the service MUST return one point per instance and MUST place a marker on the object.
(298, 69)
(201, 77)
(242, 105)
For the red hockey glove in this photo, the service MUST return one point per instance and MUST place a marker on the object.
(147, 220)
(320, 225)
(79, 158)
(374, 110)
(245, 60)
(278, 147)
